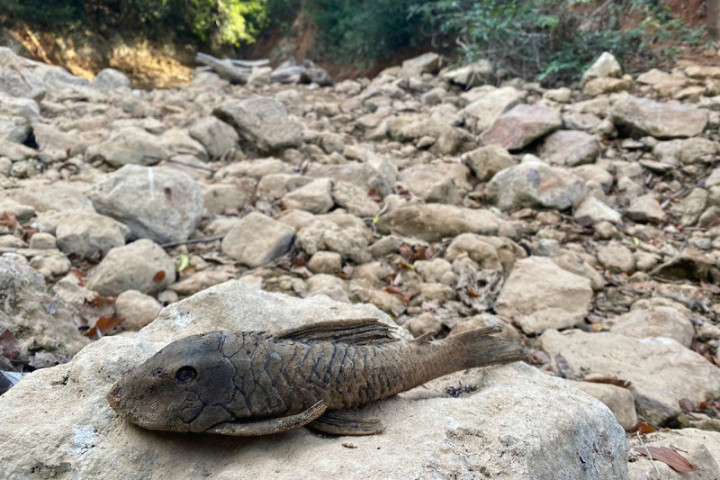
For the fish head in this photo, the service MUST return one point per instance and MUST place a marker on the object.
(180, 388)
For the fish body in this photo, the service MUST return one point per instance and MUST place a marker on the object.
(251, 383)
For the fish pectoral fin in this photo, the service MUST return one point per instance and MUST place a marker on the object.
(270, 425)
(365, 331)
(347, 422)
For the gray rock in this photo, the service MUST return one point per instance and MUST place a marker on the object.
(686, 151)
(592, 211)
(141, 265)
(646, 209)
(136, 309)
(477, 73)
(412, 128)
(262, 122)
(362, 175)
(654, 322)
(641, 116)
(41, 324)
(619, 400)
(159, 203)
(130, 145)
(218, 138)
(325, 262)
(555, 424)
(535, 304)
(433, 183)
(89, 235)
(699, 447)
(606, 65)
(315, 197)
(426, 63)
(570, 148)
(257, 239)
(519, 127)
(689, 209)
(110, 79)
(488, 107)
(616, 258)
(661, 370)
(330, 286)
(354, 199)
(221, 197)
(336, 232)
(42, 241)
(536, 184)
(433, 222)
(485, 162)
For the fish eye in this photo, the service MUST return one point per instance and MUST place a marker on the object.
(185, 374)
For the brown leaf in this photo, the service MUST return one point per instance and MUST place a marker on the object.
(393, 290)
(159, 276)
(644, 428)
(168, 193)
(9, 220)
(668, 456)
(609, 379)
(104, 325)
(9, 345)
(406, 251)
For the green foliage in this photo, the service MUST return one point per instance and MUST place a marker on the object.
(554, 40)
(353, 31)
(231, 22)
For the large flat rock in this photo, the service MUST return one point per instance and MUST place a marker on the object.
(513, 422)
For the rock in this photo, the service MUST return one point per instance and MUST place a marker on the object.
(257, 240)
(51, 264)
(606, 65)
(354, 199)
(41, 324)
(661, 370)
(521, 126)
(534, 304)
(556, 422)
(136, 309)
(433, 222)
(485, 162)
(616, 258)
(219, 139)
(426, 63)
(221, 197)
(689, 264)
(570, 148)
(412, 128)
(600, 86)
(130, 145)
(141, 265)
(315, 197)
(491, 105)
(261, 122)
(536, 184)
(110, 79)
(328, 285)
(433, 183)
(592, 211)
(654, 322)
(700, 448)
(325, 262)
(203, 279)
(661, 120)
(686, 151)
(89, 235)
(619, 400)
(689, 209)
(336, 232)
(43, 241)
(646, 209)
(490, 253)
(159, 203)
(362, 175)
(560, 95)
(477, 73)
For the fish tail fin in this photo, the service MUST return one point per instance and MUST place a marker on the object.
(483, 349)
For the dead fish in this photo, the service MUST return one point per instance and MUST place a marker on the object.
(257, 383)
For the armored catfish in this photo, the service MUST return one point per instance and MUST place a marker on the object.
(257, 383)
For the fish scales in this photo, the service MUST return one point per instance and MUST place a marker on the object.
(222, 381)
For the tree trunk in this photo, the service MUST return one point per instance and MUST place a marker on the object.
(713, 15)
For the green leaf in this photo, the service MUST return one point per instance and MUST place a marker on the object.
(184, 262)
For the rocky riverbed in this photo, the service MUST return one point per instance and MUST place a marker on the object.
(585, 221)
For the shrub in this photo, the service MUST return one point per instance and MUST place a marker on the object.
(554, 40)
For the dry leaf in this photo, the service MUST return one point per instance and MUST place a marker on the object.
(644, 428)
(103, 326)
(9, 220)
(668, 456)
(159, 276)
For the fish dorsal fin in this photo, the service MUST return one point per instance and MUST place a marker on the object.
(365, 331)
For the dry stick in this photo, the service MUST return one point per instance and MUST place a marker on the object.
(191, 241)
(652, 460)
